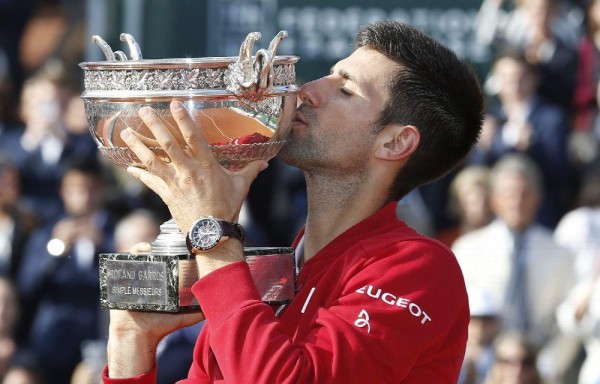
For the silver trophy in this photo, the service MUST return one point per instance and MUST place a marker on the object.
(243, 106)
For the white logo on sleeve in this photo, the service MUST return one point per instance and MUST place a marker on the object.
(394, 300)
(363, 320)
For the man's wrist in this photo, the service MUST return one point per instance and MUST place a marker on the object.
(229, 251)
(129, 355)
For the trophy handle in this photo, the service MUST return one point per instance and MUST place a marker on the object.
(263, 66)
(134, 49)
(274, 44)
(265, 58)
(251, 78)
(106, 49)
(247, 46)
(120, 55)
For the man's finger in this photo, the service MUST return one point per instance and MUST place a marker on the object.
(162, 134)
(251, 171)
(191, 132)
(153, 182)
(147, 158)
(140, 248)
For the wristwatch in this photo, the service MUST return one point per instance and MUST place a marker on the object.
(208, 232)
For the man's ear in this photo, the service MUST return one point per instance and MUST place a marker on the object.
(397, 142)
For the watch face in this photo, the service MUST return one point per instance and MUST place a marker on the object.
(206, 234)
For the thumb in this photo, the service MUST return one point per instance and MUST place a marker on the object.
(251, 170)
(140, 248)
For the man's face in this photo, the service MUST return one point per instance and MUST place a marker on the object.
(515, 200)
(483, 330)
(516, 82)
(41, 105)
(473, 203)
(80, 193)
(514, 366)
(333, 128)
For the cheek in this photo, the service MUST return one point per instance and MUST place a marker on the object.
(351, 111)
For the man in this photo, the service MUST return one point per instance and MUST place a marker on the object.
(376, 302)
(58, 278)
(524, 122)
(484, 328)
(518, 262)
(44, 148)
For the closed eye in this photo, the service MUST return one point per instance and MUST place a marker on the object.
(345, 92)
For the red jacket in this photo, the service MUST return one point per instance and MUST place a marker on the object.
(379, 304)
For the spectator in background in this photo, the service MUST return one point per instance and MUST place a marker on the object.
(413, 210)
(175, 352)
(24, 372)
(42, 149)
(75, 119)
(518, 262)
(484, 327)
(8, 117)
(579, 229)
(540, 29)
(59, 276)
(588, 72)
(580, 315)
(14, 15)
(16, 221)
(469, 203)
(525, 123)
(585, 138)
(502, 23)
(10, 314)
(515, 361)
(139, 226)
(584, 144)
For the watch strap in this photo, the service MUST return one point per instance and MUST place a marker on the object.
(232, 230)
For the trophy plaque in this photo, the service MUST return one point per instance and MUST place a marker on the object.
(243, 107)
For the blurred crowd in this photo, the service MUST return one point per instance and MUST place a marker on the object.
(522, 213)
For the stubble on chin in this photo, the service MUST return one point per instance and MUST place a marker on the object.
(303, 149)
(293, 153)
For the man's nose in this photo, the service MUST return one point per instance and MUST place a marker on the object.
(309, 94)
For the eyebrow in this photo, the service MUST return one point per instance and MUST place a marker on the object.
(344, 74)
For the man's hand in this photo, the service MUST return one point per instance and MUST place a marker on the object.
(192, 183)
(134, 336)
(72, 229)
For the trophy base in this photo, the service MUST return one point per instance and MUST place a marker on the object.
(159, 283)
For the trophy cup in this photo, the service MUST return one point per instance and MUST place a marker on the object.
(242, 105)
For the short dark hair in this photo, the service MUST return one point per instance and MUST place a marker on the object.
(434, 91)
